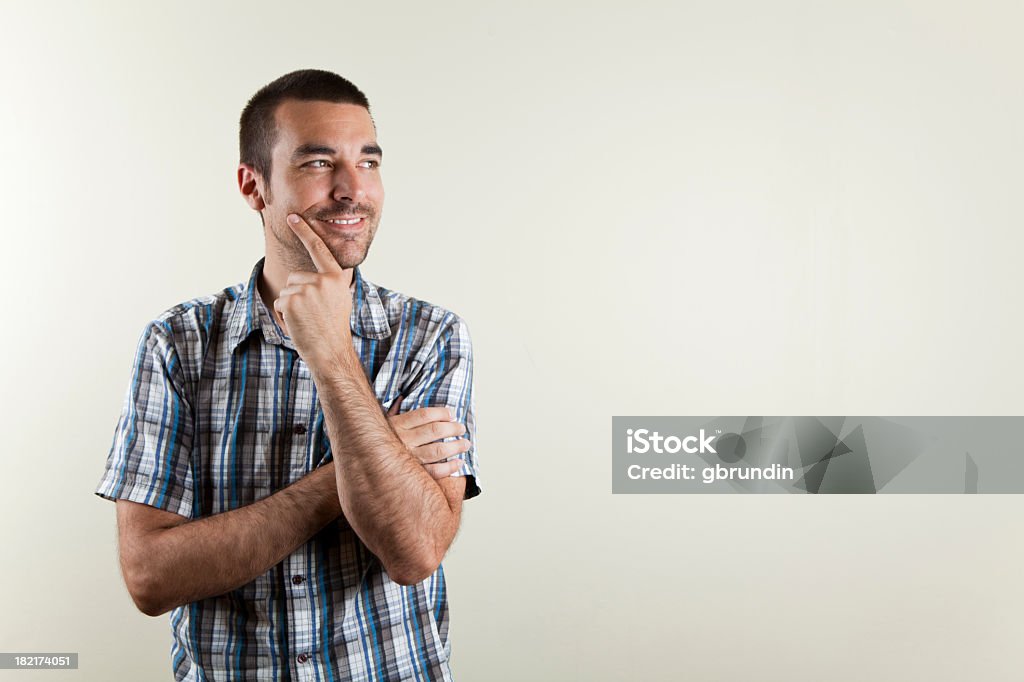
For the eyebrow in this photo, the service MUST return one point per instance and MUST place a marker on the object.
(314, 149)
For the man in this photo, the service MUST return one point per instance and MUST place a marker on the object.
(293, 527)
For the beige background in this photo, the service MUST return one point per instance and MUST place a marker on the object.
(640, 208)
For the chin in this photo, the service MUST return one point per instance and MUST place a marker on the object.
(348, 260)
(349, 253)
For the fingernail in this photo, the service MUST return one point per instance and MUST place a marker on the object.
(293, 219)
(451, 414)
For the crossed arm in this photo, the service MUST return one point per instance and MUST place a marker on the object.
(168, 560)
(390, 501)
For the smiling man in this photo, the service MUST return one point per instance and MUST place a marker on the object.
(290, 463)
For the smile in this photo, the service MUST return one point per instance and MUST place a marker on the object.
(353, 221)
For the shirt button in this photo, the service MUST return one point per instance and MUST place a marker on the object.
(302, 658)
(297, 579)
(299, 429)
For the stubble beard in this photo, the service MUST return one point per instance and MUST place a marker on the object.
(348, 251)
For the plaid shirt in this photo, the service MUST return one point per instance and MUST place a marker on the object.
(222, 412)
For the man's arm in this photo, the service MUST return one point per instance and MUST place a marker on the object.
(168, 560)
(404, 517)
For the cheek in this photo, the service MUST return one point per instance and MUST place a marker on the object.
(301, 190)
(373, 186)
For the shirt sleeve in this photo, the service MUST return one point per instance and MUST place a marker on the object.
(150, 459)
(446, 380)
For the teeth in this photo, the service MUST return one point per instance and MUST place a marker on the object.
(345, 222)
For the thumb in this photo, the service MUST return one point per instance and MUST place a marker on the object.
(280, 316)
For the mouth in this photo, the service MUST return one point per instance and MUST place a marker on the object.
(350, 224)
(345, 221)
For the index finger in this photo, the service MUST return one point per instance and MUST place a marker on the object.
(322, 257)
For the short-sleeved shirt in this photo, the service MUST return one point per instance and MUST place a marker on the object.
(222, 412)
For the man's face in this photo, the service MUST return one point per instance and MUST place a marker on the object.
(326, 168)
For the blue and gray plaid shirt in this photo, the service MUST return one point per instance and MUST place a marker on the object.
(222, 412)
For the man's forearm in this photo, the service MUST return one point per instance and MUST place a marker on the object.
(389, 499)
(219, 553)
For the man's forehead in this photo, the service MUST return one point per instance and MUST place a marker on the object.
(301, 122)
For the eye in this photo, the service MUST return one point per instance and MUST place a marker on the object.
(370, 163)
(317, 163)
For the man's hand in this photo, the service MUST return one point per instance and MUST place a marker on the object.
(316, 306)
(421, 430)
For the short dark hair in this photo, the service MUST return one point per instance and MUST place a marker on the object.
(257, 129)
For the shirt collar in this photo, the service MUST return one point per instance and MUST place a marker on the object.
(368, 320)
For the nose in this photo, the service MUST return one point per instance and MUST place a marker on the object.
(348, 186)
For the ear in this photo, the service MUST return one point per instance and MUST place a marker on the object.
(250, 184)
